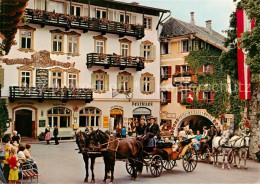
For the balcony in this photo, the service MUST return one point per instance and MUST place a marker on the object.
(86, 24)
(63, 94)
(109, 60)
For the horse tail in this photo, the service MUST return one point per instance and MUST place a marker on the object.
(139, 164)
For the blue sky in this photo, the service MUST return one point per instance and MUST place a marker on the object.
(216, 10)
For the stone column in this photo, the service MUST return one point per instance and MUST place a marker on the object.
(254, 117)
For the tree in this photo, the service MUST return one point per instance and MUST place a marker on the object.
(4, 117)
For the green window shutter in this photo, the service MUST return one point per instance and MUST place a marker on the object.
(106, 82)
(152, 82)
(93, 81)
(131, 83)
(141, 50)
(142, 83)
(153, 52)
(2, 77)
(119, 82)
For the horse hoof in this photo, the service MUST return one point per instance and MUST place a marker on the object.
(235, 165)
(93, 181)
(86, 180)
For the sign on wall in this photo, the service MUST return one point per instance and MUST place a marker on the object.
(42, 78)
(105, 121)
(42, 123)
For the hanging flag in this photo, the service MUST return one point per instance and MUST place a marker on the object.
(243, 25)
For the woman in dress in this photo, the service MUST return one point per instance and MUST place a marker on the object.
(48, 134)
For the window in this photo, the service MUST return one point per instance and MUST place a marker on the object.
(125, 82)
(38, 4)
(166, 72)
(147, 83)
(185, 68)
(207, 69)
(147, 23)
(101, 14)
(100, 81)
(76, 10)
(72, 81)
(56, 79)
(165, 97)
(60, 117)
(125, 20)
(57, 43)
(100, 47)
(148, 50)
(182, 96)
(73, 44)
(56, 7)
(89, 117)
(26, 39)
(206, 96)
(125, 49)
(25, 78)
(164, 48)
(185, 46)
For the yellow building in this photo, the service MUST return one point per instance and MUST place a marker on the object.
(178, 81)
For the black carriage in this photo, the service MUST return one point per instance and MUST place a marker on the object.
(162, 157)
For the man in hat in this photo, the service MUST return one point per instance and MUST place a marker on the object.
(211, 133)
(141, 128)
(153, 128)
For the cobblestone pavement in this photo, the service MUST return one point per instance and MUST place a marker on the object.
(62, 164)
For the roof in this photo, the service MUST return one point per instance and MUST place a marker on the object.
(175, 28)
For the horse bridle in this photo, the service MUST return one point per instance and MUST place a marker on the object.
(82, 139)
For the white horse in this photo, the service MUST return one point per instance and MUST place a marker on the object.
(221, 145)
(240, 145)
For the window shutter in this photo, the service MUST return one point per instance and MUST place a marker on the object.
(179, 97)
(131, 83)
(117, 18)
(169, 71)
(110, 15)
(201, 69)
(142, 83)
(2, 77)
(153, 52)
(119, 82)
(152, 82)
(191, 71)
(212, 93)
(68, 8)
(169, 47)
(106, 82)
(211, 68)
(179, 47)
(85, 13)
(95, 12)
(142, 50)
(200, 96)
(133, 19)
(177, 68)
(169, 97)
(93, 81)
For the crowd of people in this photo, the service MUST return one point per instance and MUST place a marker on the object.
(16, 153)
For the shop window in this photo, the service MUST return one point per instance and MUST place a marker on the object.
(100, 81)
(125, 82)
(148, 23)
(147, 83)
(60, 117)
(89, 117)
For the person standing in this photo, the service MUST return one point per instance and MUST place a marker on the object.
(211, 133)
(123, 132)
(47, 134)
(218, 132)
(13, 163)
(6, 168)
(55, 134)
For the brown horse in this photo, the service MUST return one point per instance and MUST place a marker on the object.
(113, 148)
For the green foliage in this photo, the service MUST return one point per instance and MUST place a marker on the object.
(217, 81)
(4, 117)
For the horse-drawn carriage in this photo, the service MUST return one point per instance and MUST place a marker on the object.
(162, 157)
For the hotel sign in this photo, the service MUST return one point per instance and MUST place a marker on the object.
(139, 104)
(182, 79)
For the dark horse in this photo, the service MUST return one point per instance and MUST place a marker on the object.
(83, 142)
(113, 148)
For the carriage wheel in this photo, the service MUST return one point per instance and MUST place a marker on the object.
(169, 165)
(128, 167)
(156, 165)
(190, 160)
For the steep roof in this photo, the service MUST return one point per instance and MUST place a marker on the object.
(175, 28)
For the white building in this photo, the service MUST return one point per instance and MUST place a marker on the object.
(98, 67)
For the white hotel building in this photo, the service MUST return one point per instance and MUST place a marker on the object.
(78, 63)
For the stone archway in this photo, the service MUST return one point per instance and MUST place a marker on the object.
(177, 123)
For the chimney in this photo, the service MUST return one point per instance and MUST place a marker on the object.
(192, 21)
(208, 26)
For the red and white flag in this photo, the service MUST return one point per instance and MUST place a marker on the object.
(243, 25)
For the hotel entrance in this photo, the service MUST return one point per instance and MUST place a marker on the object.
(116, 116)
(23, 122)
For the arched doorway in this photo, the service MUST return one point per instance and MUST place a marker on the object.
(23, 122)
(116, 117)
(195, 123)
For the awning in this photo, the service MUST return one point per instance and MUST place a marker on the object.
(142, 111)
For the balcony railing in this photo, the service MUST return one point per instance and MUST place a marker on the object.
(86, 24)
(109, 60)
(63, 94)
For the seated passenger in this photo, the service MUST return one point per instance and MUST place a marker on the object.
(21, 156)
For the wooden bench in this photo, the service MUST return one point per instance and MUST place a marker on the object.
(27, 172)
(65, 134)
